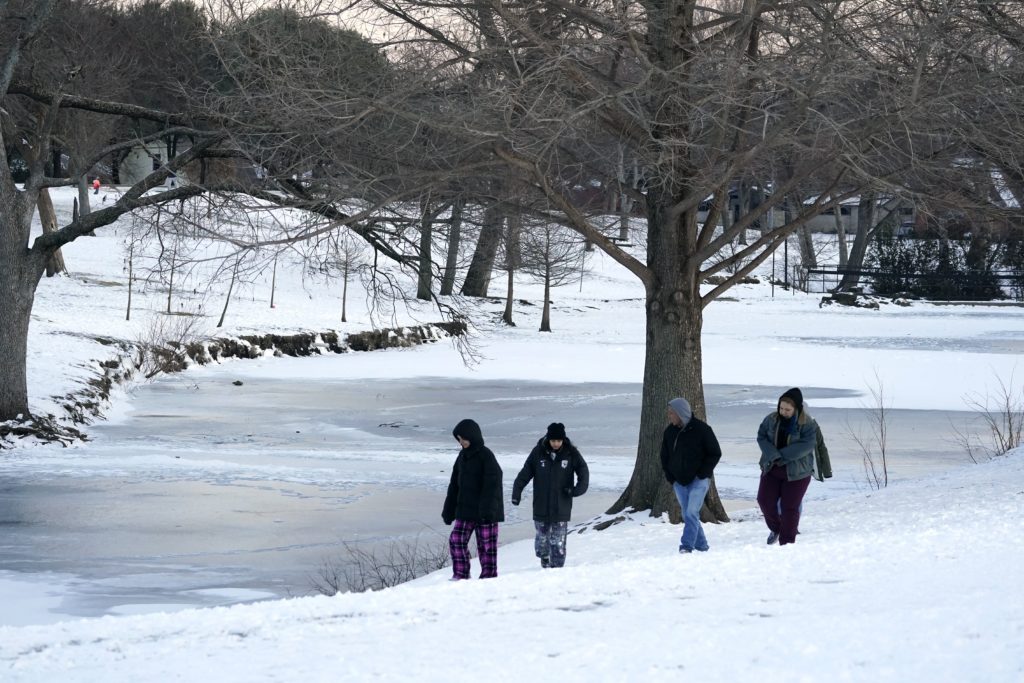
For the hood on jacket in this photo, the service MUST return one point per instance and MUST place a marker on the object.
(470, 431)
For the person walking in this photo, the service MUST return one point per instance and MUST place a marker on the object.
(474, 503)
(822, 462)
(559, 474)
(787, 438)
(689, 453)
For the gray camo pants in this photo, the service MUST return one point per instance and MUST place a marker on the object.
(549, 543)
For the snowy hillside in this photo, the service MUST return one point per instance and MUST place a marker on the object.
(918, 582)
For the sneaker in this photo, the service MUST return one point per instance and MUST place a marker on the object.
(703, 550)
(459, 578)
(773, 538)
(683, 551)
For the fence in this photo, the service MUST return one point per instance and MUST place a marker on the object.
(826, 279)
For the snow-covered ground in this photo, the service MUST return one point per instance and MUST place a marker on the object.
(920, 581)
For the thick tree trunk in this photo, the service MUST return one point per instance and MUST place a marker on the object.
(48, 219)
(672, 367)
(673, 363)
(454, 238)
(20, 272)
(478, 278)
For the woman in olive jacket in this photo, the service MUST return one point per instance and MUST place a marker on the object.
(787, 439)
(474, 503)
(559, 474)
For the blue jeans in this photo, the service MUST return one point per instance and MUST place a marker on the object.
(691, 500)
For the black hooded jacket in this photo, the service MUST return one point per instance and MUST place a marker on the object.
(474, 492)
(558, 476)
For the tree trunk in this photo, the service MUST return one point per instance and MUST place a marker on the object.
(131, 276)
(545, 317)
(673, 361)
(227, 298)
(743, 200)
(170, 281)
(426, 245)
(625, 201)
(454, 238)
(48, 219)
(511, 263)
(506, 316)
(84, 208)
(672, 367)
(808, 258)
(479, 275)
(865, 222)
(727, 220)
(273, 284)
(20, 272)
(844, 251)
(344, 294)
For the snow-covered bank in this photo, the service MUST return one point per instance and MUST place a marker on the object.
(919, 581)
(925, 357)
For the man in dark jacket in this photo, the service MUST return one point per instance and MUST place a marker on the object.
(559, 474)
(474, 503)
(689, 453)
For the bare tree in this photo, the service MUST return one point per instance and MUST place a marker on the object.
(553, 254)
(1002, 415)
(364, 568)
(875, 446)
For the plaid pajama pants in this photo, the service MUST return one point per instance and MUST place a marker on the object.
(486, 545)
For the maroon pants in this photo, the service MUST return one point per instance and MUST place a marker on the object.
(774, 487)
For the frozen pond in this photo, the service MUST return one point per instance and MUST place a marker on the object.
(209, 492)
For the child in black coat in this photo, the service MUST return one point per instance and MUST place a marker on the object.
(559, 474)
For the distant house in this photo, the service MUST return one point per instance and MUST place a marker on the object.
(849, 213)
(143, 160)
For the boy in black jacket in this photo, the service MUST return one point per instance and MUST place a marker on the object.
(553, 465)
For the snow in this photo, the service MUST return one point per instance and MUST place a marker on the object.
(917, 581)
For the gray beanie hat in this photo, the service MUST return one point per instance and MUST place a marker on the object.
(682, 409)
